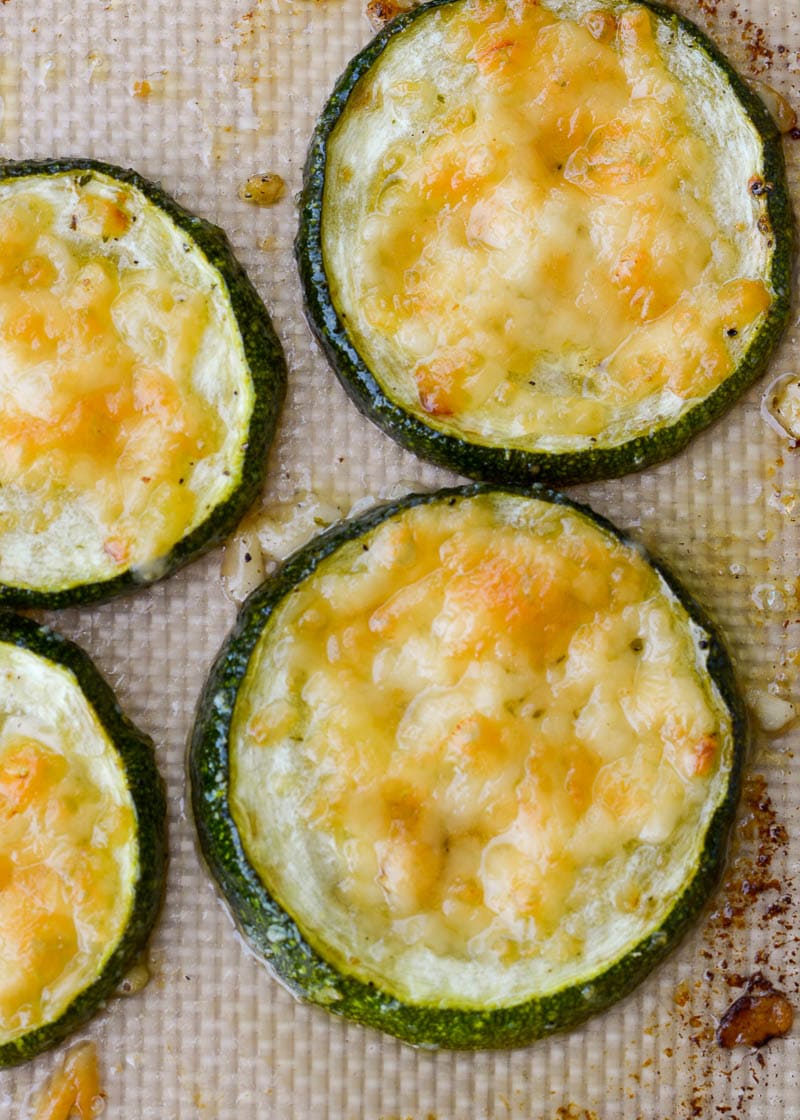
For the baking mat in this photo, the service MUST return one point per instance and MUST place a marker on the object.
(201, 94)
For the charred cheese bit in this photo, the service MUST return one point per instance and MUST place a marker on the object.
(118, 419)
(518, 256)
(497, 713)
(67, 845)
(74, 1088)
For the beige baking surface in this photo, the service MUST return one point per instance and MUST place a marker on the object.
(233, 90)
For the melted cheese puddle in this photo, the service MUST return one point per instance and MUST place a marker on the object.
(68, 853)
(474, 752)
(532, 236)
(123, 390)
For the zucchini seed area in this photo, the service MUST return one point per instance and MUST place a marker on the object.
(125, 396)
(539, 225)
(68, 849)
(476, 752)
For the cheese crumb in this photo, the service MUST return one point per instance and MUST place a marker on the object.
(263, 190)
(74, 1088)
(780, 406)
(770, 712)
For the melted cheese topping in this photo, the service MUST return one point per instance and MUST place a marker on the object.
(537, 224)
(124, 392)
(475, 753)
(68, 852)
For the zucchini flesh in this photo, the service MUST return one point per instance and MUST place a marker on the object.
(139, 383)
(81, 840)
(466, 767)
(560, 256)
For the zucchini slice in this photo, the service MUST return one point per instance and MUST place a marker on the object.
(544, 240)
(139, 388)
(466, 767)
(82, 839)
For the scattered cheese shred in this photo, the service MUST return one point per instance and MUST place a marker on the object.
(74, 1088)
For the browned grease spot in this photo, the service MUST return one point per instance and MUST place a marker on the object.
(756, 898)
(754, 1018)
(394, 1116)
(682, 994)
(758, 50)
(752, 876)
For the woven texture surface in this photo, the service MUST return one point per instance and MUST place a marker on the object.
(233, 89)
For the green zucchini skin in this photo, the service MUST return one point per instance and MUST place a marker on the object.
(276, 938)
(267, 366)
(146, 790)
(512, 465)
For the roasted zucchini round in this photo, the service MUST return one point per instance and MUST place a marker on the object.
(544, 240)
(466, 767)
(82, 839)
(141, 381)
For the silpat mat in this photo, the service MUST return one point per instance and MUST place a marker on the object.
(201, 95)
